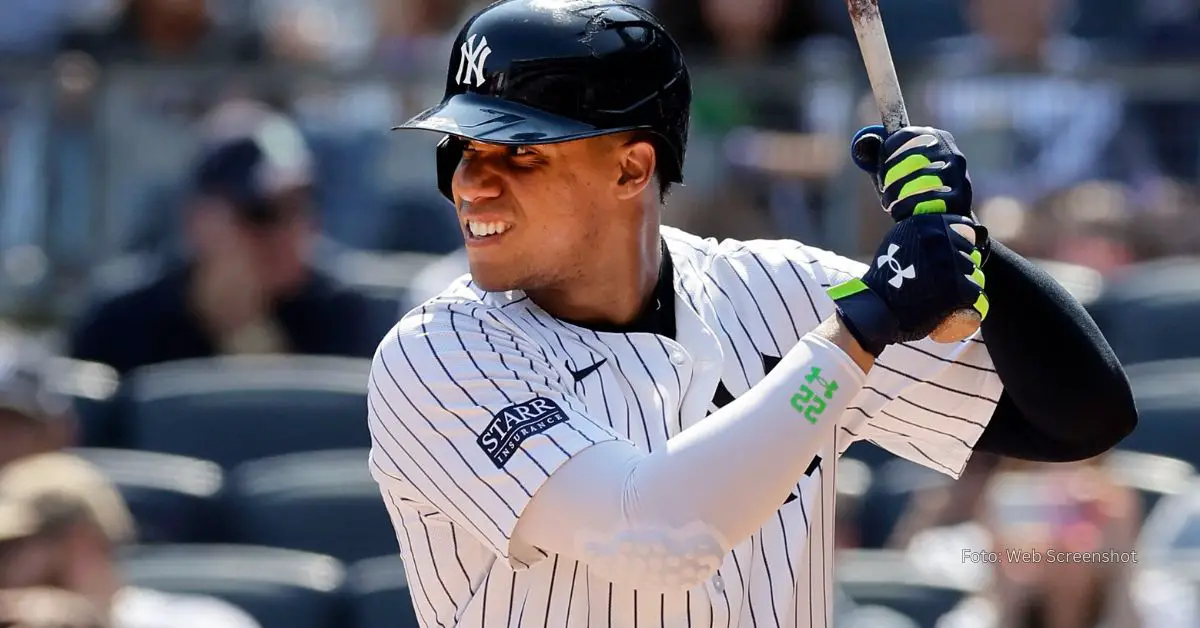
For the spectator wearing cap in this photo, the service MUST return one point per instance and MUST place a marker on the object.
(61, 524)
(249, 284)
(34, 418)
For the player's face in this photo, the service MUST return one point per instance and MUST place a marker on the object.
(536, 216)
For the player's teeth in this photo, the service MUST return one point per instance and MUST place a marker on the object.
(482, 229)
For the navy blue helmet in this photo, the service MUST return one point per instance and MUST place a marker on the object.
(546, 71)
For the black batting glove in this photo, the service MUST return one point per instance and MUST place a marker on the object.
(916, 170)
(922, 272)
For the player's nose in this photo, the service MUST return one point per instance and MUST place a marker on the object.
(475, 180)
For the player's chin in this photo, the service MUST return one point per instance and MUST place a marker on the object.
(493, 277)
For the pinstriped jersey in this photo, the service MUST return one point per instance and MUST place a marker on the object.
(476, 398)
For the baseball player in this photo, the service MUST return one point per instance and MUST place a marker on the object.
(609, 422)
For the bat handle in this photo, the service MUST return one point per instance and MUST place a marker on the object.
(894, 114)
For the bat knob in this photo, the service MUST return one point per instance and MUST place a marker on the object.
(866, 148)
(957, 327)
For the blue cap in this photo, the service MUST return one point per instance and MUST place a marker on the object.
(250, 170)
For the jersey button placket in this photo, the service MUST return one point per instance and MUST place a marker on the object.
(718, 583)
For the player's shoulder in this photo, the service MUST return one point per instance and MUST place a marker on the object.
(748, 257)
(461, 313)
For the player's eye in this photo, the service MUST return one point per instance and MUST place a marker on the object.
(520, 151)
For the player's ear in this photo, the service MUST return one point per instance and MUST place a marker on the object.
(635, 161)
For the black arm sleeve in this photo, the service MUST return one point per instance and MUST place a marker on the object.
(1066, 396)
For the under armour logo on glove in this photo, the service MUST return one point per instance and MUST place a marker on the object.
(901, 273)
(471, 59)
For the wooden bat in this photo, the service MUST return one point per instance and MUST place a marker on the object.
(885, 86)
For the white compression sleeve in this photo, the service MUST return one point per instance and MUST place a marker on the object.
(664, 521)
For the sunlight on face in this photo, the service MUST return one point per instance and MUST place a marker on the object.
(536, 216)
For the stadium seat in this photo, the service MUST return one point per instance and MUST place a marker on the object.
(234, 409)
(280, 588)
(875, 617)
(173, 499)
(378, 594)
(324, 502)
(1149, 313)
(892, 486)
(1153, 477)
(92, 389)
(386, 277)
(891, 580)
(1168, 409)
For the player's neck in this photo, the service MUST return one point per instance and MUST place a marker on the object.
(610, 293)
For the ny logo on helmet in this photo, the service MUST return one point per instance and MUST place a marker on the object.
(470, 61)
(889, 260)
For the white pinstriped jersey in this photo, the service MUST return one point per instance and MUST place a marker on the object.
(444, 374)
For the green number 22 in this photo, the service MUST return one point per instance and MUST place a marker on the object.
(808, 403)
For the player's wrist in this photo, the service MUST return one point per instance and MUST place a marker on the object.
(839, 334)
(865, 316)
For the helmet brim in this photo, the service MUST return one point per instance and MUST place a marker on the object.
(497, 121)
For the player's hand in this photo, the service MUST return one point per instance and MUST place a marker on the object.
(923, 271)
(917, 170)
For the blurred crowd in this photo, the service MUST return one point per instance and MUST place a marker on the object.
(205, 228)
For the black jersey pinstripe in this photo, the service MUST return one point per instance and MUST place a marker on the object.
(445, 370)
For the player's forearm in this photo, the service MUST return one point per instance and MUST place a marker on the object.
(711, 486)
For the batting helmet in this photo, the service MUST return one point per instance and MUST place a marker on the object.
(547, 71)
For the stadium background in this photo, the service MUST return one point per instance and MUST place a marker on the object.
(1086, 158)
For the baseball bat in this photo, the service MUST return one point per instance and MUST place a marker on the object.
(885, 87)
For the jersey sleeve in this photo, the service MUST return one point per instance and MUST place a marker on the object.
(924, 401)
(468, 416)
(928, 402)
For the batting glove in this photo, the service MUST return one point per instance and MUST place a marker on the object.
(922, 272)
(916, 170)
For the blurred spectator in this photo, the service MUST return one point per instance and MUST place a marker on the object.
(47, 607)
(1102, 225)
(414, 34)
(739, 41)
(337, 33)
(742, 31)
(1170, 29)
(1016, 93)
(35, 28)
(34, 418)
(1091, 224)
(250, 284)
(1171, 32)
(733, 36)
(949, 504)
(1036, 507)
(156, 30)
(79, 522)
(398, 34)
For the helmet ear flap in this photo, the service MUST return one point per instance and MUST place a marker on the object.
(449, 153)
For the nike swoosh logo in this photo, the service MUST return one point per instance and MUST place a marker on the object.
(584, 372)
